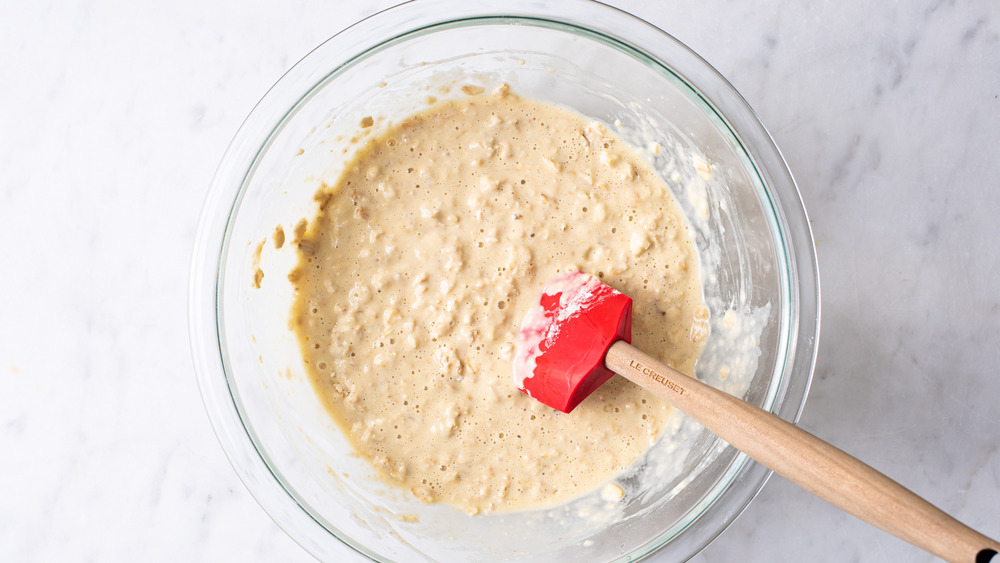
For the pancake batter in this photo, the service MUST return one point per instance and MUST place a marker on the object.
(420, 264)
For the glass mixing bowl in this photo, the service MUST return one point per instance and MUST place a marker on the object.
(756, 255)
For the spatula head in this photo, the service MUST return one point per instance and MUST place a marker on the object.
(563, 339)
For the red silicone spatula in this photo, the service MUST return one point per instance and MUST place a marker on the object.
(577, 337)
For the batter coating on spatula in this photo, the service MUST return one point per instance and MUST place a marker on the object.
(423, 259)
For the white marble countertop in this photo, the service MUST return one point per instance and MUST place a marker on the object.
(114, 115)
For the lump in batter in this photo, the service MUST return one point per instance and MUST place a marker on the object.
(423, 258)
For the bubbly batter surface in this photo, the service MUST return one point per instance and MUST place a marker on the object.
(423, 258)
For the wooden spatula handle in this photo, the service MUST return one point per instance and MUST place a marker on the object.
(807, 461)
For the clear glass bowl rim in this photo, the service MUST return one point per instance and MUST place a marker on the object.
(594, 18)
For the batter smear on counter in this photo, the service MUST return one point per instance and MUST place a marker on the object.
(420, 264)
